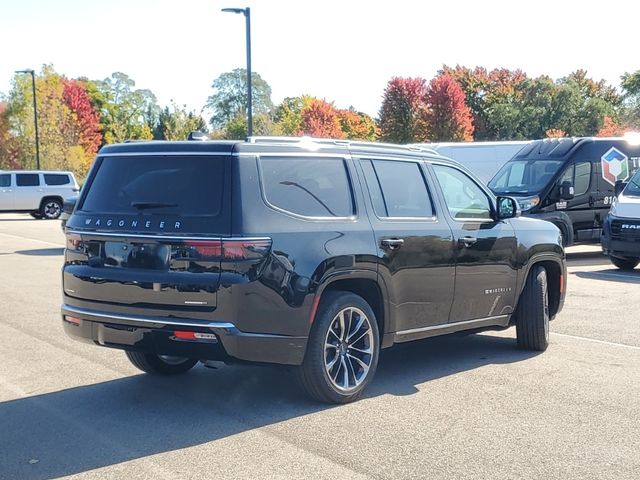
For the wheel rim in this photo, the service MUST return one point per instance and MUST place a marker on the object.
(52, 209)
(171, 360)
(348, 349)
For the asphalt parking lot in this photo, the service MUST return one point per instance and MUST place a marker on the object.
(449, 408)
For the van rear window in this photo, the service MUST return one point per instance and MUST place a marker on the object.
(169, 185)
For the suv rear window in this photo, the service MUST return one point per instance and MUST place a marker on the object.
(56, 179)
(311, 187)
(5, 180)
(169, 185)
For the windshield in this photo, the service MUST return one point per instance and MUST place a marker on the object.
(633, 187)
(524, 176)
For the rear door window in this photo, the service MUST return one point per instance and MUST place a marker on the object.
(5, 180)
(53, 179)
(310, 187)
(160, 186)
(397, 189)
(27, 179)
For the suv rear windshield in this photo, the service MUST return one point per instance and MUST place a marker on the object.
(166, 185)
(56, 179)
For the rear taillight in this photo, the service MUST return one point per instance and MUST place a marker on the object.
(228, 250)
(74, 242)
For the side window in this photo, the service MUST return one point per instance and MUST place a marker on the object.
(464, 198)
(580, 175)
(312, 187)
(5, 180)
(27, 179)
(56, 179)
(397, 189)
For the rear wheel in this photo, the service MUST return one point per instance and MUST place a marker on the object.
(160, 364)
(51, 209)
(342, 353)
(625, 263)
(532, 315)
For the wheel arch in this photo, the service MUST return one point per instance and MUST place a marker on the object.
(365, 284)
(556, 280)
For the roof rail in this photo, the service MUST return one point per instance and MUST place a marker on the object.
(333, 141)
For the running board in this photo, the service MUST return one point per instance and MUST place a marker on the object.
(500, 321)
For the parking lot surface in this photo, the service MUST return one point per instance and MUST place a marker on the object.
(445, 408)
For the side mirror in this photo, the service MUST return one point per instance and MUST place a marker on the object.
(566, 190)
(617, 190)
(507, 207)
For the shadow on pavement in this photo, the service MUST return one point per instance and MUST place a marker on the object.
(88, 427)
(587, 259)
(611, 275)
(42, 252)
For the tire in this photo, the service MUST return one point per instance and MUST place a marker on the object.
(157, 365)
(51, 209)
(345, 324)
(625, 263)
(532, 314)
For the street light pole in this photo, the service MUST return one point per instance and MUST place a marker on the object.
(35, 113)
(247, 15)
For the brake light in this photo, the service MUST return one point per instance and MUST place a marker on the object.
(231, 250)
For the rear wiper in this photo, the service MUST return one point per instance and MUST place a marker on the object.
(144, 205)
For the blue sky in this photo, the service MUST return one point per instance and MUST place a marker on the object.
(344, 51)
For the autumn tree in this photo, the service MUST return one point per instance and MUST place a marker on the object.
(447, 117)
(357, 125)
(288, 115)
(610, 128)
(229, 98)
(320, 119)
(402, 114)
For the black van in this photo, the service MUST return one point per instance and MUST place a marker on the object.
(569, 181)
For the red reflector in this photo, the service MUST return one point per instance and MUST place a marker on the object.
(185, 335)
(314, 308)
(74, 320)
(561, 283)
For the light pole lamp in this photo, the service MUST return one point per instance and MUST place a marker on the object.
(35, 112)
(247, 16)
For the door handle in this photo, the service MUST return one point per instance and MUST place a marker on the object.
(466, 242)
(392, 243)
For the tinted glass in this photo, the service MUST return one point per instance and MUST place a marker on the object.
(404, 192)
(190, 186)
(524, 176)
(27, 180)
(5, 180)
(313, 187)
(464, 198)
(56, 179)
(633, 187)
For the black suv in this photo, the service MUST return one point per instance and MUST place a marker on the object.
(303, 252)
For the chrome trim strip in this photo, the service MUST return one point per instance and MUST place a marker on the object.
(160, 237)
(155, 321)
(499, 320)
(164, 153)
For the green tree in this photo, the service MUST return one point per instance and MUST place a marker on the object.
(236, 129)
(126, 112)
(229, 98)
(176, 123)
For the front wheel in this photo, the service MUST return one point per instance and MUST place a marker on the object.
(625, 263)
(532, 314)
(160, 364)
(51, 209)
(343, 348)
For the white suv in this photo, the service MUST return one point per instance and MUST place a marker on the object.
(40, 193)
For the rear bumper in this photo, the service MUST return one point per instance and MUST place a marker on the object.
(156, 335)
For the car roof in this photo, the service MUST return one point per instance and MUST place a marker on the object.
(287, 145)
